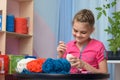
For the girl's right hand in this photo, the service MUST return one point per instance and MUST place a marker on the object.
(61, 49)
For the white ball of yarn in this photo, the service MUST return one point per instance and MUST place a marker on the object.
(22, 64)
(69, 56)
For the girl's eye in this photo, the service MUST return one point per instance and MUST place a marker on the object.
(83, 32)
(75, 30)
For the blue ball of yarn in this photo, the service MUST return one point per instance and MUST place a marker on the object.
(65, 64)
(30, 57)
(56, 66)
(25, 71)
(48, 66)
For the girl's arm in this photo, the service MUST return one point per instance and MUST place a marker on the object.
(102, 67)
(83, 65)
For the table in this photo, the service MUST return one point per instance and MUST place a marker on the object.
(117, 68)
(44, 76)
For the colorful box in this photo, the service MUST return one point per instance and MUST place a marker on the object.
(13, 62)
(4, 64)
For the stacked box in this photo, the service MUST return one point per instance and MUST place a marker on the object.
(4, 63)
(13, 62)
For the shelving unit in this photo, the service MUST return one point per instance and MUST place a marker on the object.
(12, 42)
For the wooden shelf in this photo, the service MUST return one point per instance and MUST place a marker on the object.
(2, 31)
(17, 35)
(21, 43)
(23, 0)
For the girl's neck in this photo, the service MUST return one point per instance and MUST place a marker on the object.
(80, 45)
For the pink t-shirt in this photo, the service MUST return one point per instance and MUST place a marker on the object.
(93, 53)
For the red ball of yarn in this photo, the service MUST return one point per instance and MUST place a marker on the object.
(36, 65)
(21, 25)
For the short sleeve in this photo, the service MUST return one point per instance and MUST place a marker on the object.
(102, 54)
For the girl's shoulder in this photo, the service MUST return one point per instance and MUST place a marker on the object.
(96, 42)
(96, 45)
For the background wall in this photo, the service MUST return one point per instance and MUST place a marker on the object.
(52, 22)
(45, 22)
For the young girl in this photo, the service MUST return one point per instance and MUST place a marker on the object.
(88, 55)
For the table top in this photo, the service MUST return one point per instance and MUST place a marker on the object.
(44, 76)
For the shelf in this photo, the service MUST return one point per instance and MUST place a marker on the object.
(2, 31)
(12, 42)
(23, 0)
(17, 35)
(114, 61)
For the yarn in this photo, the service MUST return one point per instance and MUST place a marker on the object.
(56, 66)
(48, 66)
(25, 71)
(21, 65)
(10, 23)
(36, 65)
(65, 64)
(68, 56)
(31, 57)
(21, 25)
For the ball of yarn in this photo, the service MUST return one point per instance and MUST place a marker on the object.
(21, 65)
(48, 65)
(30, 57)
(56, 66)
(36, 65)
(68, 56)
(65, 64)
(25, 71)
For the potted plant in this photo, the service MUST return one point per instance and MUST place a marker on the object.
(113, 29)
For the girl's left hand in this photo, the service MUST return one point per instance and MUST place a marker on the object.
(76, 62)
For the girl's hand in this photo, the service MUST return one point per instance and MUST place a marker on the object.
(76, 62)
(61, 49)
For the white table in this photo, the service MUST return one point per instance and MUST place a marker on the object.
(117, 68)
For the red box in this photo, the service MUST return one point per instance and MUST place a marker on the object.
(4, 64)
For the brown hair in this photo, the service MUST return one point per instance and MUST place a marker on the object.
(84, 15)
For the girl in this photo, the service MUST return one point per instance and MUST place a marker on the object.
(88, 55)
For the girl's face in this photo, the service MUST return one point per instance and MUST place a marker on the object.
(82, 31)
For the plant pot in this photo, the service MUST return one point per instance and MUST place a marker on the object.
(113, 56)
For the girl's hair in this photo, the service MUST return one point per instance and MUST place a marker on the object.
(84, 15)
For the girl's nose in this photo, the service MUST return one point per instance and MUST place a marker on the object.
(79, 35)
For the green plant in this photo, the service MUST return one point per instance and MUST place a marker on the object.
(114, 27)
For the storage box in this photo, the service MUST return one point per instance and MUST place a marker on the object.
(13, 62)
(4, 63)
